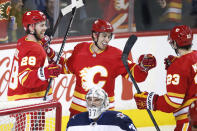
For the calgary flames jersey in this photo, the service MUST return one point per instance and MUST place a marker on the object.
(24, 80)
(97, 70)
(116, 12)
(181, 84)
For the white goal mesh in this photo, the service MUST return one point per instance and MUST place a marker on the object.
(30, 116)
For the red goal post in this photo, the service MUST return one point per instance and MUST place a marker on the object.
(30, 116)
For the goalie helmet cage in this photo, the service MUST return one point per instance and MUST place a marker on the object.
(30, 116)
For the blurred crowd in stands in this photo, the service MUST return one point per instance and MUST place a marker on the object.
(124, 15)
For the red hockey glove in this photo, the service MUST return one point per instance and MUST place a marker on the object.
(51, 71)
(52, 55)
(169, 60)
(147, 61)
(193, 114)
(45, 41)
(146, 100)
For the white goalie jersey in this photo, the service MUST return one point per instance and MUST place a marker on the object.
(108, 121)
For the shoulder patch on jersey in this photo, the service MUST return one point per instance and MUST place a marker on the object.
(120, 115)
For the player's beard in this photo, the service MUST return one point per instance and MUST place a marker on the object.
(38, 36)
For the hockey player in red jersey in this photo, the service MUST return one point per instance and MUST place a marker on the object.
(181, 80)
(29, 78)
(193, 115)
(97, 64)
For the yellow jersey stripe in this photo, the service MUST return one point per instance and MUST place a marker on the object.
(181, 117)
(29, 95)
(176, 94)
(78, 108)
(170, 103)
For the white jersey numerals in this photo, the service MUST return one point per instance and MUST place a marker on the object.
(31, 60)
(195, 79)
(173, 79)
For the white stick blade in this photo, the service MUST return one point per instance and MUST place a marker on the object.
(75, 3)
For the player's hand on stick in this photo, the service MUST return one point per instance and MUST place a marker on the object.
(169, 60)
(52, 55)
(147, 62)
(51, 71)
(145, 100)
(45, 41)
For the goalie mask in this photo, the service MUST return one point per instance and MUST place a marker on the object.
(97, 102)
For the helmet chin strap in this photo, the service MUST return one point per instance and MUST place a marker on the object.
(97, 45)
(96, 42)
(175, 48)
(35, 34)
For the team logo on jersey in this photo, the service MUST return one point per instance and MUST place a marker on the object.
(120, 115)
(88, 74)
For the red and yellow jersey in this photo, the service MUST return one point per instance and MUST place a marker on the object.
(24, 81)
(5, 7)
(98, 70)
(116, 12)
(181, 82)
(173, 12)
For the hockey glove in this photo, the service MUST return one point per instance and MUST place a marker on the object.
(45, 41)
(146, 100)
(169, 60)
(147, 62)
(52, 55)
(51, 71)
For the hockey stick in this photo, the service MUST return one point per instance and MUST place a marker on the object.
(62, 47)
(129, 44)
(63, 12)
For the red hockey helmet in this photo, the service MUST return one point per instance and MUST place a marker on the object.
(182, 35)
(102, 26)
(32, 17)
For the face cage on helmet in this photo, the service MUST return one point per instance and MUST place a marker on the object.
(95, 112)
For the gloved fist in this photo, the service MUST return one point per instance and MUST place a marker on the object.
(52, 55)
(169, 60)
(45, 41)
(51, 71)
(147, 61)
(145, 100)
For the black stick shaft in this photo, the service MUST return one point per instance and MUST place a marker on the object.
(61, 49)
(138, 91)
(131, 41)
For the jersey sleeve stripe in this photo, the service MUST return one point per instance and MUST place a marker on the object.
(170, 102)
(176, 95)
(182, 111)
(176, 100)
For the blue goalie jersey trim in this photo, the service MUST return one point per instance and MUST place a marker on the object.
(108, 121)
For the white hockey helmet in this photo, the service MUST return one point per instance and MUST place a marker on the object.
(96, 107)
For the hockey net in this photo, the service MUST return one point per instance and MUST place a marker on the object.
(30, 116)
